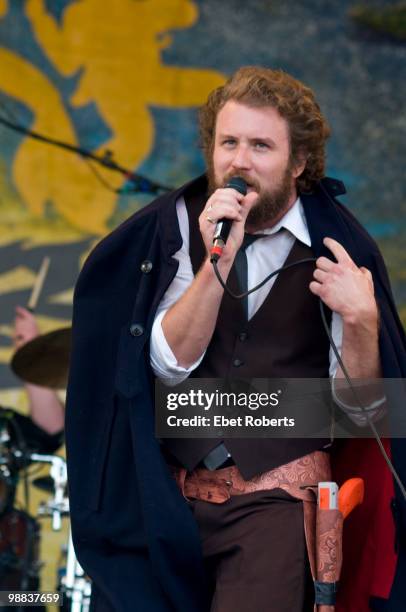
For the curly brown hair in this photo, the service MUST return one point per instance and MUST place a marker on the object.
(260, 87)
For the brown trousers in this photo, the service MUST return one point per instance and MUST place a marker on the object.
(255, 553)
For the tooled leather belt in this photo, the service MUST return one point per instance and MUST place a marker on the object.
(218, 486)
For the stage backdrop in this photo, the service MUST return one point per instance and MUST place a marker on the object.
(124, 80)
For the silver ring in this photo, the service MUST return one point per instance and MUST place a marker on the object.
(210, 219)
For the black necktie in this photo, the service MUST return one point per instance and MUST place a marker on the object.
(241, 266)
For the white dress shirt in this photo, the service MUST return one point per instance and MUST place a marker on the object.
(263, 256)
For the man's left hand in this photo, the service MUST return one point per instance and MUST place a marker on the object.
(343, 287)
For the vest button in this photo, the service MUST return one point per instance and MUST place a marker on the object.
(136, 329)
(243, 336)
(237, 363)
(146, 266)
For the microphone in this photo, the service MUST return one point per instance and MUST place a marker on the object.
(223, 226)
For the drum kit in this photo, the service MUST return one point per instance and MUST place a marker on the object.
(42, 361)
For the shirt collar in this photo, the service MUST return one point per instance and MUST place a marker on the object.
(295, 222)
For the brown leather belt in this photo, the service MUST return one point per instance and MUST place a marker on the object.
(219, 485)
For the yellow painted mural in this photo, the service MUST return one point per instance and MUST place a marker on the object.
(16, 279)
(42, 173)
(122, 73)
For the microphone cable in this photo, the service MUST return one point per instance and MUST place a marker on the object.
(333, 346)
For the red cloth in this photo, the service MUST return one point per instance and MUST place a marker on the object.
(369, 558)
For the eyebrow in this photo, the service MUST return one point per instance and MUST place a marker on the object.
(268, 141)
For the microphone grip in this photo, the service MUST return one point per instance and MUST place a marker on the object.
(223, 229)
(221, 234)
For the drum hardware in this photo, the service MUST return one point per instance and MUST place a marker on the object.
(6, 479)
(74, 584)
(72, 581)
(19, 455)
(8, 483)
(4, 437)
(8, 465)
(52, 509)
(57, 506)
(19, 533)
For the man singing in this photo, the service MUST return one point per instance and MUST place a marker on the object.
(148, 304)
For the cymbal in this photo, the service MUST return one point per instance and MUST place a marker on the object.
(44, 361)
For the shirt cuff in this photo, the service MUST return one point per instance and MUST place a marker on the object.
(360, 416)
(163, 361)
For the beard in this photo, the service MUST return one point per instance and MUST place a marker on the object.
(270, 202)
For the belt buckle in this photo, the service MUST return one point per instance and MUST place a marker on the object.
(218, 487)
(228, 480)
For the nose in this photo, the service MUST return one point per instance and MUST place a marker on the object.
(241, 159)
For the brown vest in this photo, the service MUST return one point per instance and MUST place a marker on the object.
(284, 339)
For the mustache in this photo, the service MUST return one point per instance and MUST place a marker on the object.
(249, 180)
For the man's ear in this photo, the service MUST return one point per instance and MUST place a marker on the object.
(299, 164)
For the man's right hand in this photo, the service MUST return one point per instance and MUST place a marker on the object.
(226, 203)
